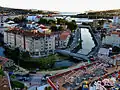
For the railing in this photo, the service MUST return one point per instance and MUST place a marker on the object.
(6, 74)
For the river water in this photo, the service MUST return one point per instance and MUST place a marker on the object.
(87, 41)
(87, 45)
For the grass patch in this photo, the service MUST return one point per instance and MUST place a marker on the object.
(16, 84)
(41, 63)
(1, 72)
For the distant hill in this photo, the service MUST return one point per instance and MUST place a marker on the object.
(105, 12)
(6, 10)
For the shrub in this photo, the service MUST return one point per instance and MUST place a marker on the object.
(1, 72)
(16, 84)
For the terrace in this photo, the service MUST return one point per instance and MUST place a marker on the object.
(73, 79)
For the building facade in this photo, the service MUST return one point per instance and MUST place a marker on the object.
(37, 44)
(62, 39)
(112, 38)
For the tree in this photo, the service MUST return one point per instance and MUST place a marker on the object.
(19, 19)
(25, 55)
(8, 19)
(60, 28)
(74, 21)
(51, 21)
(71, 25)
(1, 72)
(115, 49)
(16, 84)
(16, 55)
(16, 20)
(61, 21)
(43, 21)
(53, 28)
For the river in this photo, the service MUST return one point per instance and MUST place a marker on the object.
(87, 41)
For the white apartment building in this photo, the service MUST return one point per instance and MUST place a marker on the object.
(37, 44)
(62, 39)
(112, 38)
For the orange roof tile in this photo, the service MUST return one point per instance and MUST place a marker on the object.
(3, 60)
(64, 35)
(115, 32)
(28, 33)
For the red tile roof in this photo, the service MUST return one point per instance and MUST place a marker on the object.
(27, 33)
(3, 60)
(64, 35)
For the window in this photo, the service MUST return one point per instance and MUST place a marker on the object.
(41, 49)
(36, 42)
(36, 53)
(41, 42)
(46, 47)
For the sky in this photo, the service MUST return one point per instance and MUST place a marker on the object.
(63, 5)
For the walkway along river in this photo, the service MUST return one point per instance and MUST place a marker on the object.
(82, 56)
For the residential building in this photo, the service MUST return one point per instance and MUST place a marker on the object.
(38, 44)
(106, 25)
(50, 18)
(116, 19)
(62, 39)
(34, 18)
(112, 38)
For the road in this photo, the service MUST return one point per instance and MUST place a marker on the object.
(63, 70)
(75, 39)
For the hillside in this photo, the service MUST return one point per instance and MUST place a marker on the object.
(107, 14)
(15, 11)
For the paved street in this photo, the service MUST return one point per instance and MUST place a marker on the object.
(63, 70)
(75, 39)
(34, 80)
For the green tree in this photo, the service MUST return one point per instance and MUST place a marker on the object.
(16, 20)
(20, 19)
(1, 72)
(61, 21)
(16, 84)
(43, 21)
(71, 25)
(51, 22)
(60, 28)
(49, 88)
(8, 19)
(25, 55)
(53, 28)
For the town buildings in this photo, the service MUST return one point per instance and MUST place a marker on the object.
(112, 38)
(38, 44)
(62, 39)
